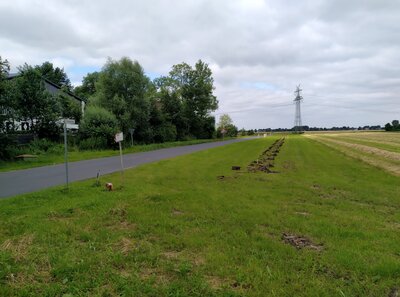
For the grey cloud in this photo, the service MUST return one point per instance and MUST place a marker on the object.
(335, 49)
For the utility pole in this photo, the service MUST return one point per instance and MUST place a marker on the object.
(298, 126)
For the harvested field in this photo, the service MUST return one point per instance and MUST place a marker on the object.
(376, 151)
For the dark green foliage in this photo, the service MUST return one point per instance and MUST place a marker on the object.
(54, 74)
(395, 126)
(123, 89)
(226, 127)
(5, 112)
(88, 87)
(98, 128)
(176, 107)
(231, 131)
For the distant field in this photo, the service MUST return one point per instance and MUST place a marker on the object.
(323, 224)
(380, 149)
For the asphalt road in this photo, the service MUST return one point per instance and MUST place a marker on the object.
(29, 180)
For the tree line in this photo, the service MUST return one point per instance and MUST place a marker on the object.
(119, 97)
(394, 126)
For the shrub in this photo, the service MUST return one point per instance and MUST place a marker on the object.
(97, 129)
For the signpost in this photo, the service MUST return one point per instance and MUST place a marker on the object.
(223, 132)
(118, 138)
(66, 152)
(131, 132)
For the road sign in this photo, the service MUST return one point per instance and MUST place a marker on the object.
(119, 137)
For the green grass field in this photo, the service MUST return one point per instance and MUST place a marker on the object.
(176, 229)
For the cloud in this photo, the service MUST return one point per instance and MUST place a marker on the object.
(342, 52)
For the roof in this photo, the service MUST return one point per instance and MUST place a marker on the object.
(52, 87)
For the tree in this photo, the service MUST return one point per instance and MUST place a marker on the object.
(192, 89)
(388, 127)
(5, 103)
(396, 125)
(88, 87)
(123, 89)
(54, 74)
(6, 106)
(226, 127)
(98, 128)
(224, 121)
(170, 99)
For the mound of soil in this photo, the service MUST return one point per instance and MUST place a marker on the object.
(266, 160)
(300, 242)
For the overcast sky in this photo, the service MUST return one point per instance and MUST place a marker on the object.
(344, 53)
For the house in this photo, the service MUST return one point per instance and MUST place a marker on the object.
(53, 89)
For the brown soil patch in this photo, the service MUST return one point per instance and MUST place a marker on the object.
(302, 213)
(171, 255)
(159, 276)
(125, 245)
(394, 292)
(19, 248)
(215, 282)
(225, 178)
(198, 260)
(118, 212)
(265, 161)
(300, 242)
(177, 212)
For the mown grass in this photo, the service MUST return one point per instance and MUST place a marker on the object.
(175, 229)
(51, 158)
(371, 139)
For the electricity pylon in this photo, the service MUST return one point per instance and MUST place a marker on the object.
(298, 126)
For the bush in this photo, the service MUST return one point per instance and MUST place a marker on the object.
(97, 128)
(165, 133)
(7, 150)
(93, 143)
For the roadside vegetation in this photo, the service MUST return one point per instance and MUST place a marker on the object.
(50, 153)
(120, 97)
(322, 224)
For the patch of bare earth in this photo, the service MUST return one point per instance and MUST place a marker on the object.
(300, 242)
(19, 248)
(119, 219)
(177, 212)
(160, 277)
(216, 282)
(394, 292)
(302, 213)
(171, 255)
(125, 245)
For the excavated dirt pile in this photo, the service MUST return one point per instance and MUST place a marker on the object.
(265, 161)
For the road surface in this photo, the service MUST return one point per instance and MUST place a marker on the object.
(29, 180)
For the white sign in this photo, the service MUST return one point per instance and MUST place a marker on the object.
(119, 137)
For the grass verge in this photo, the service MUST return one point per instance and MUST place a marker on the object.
(176, 229)
(76, 155)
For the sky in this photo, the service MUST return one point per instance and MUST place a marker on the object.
(345, 54)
